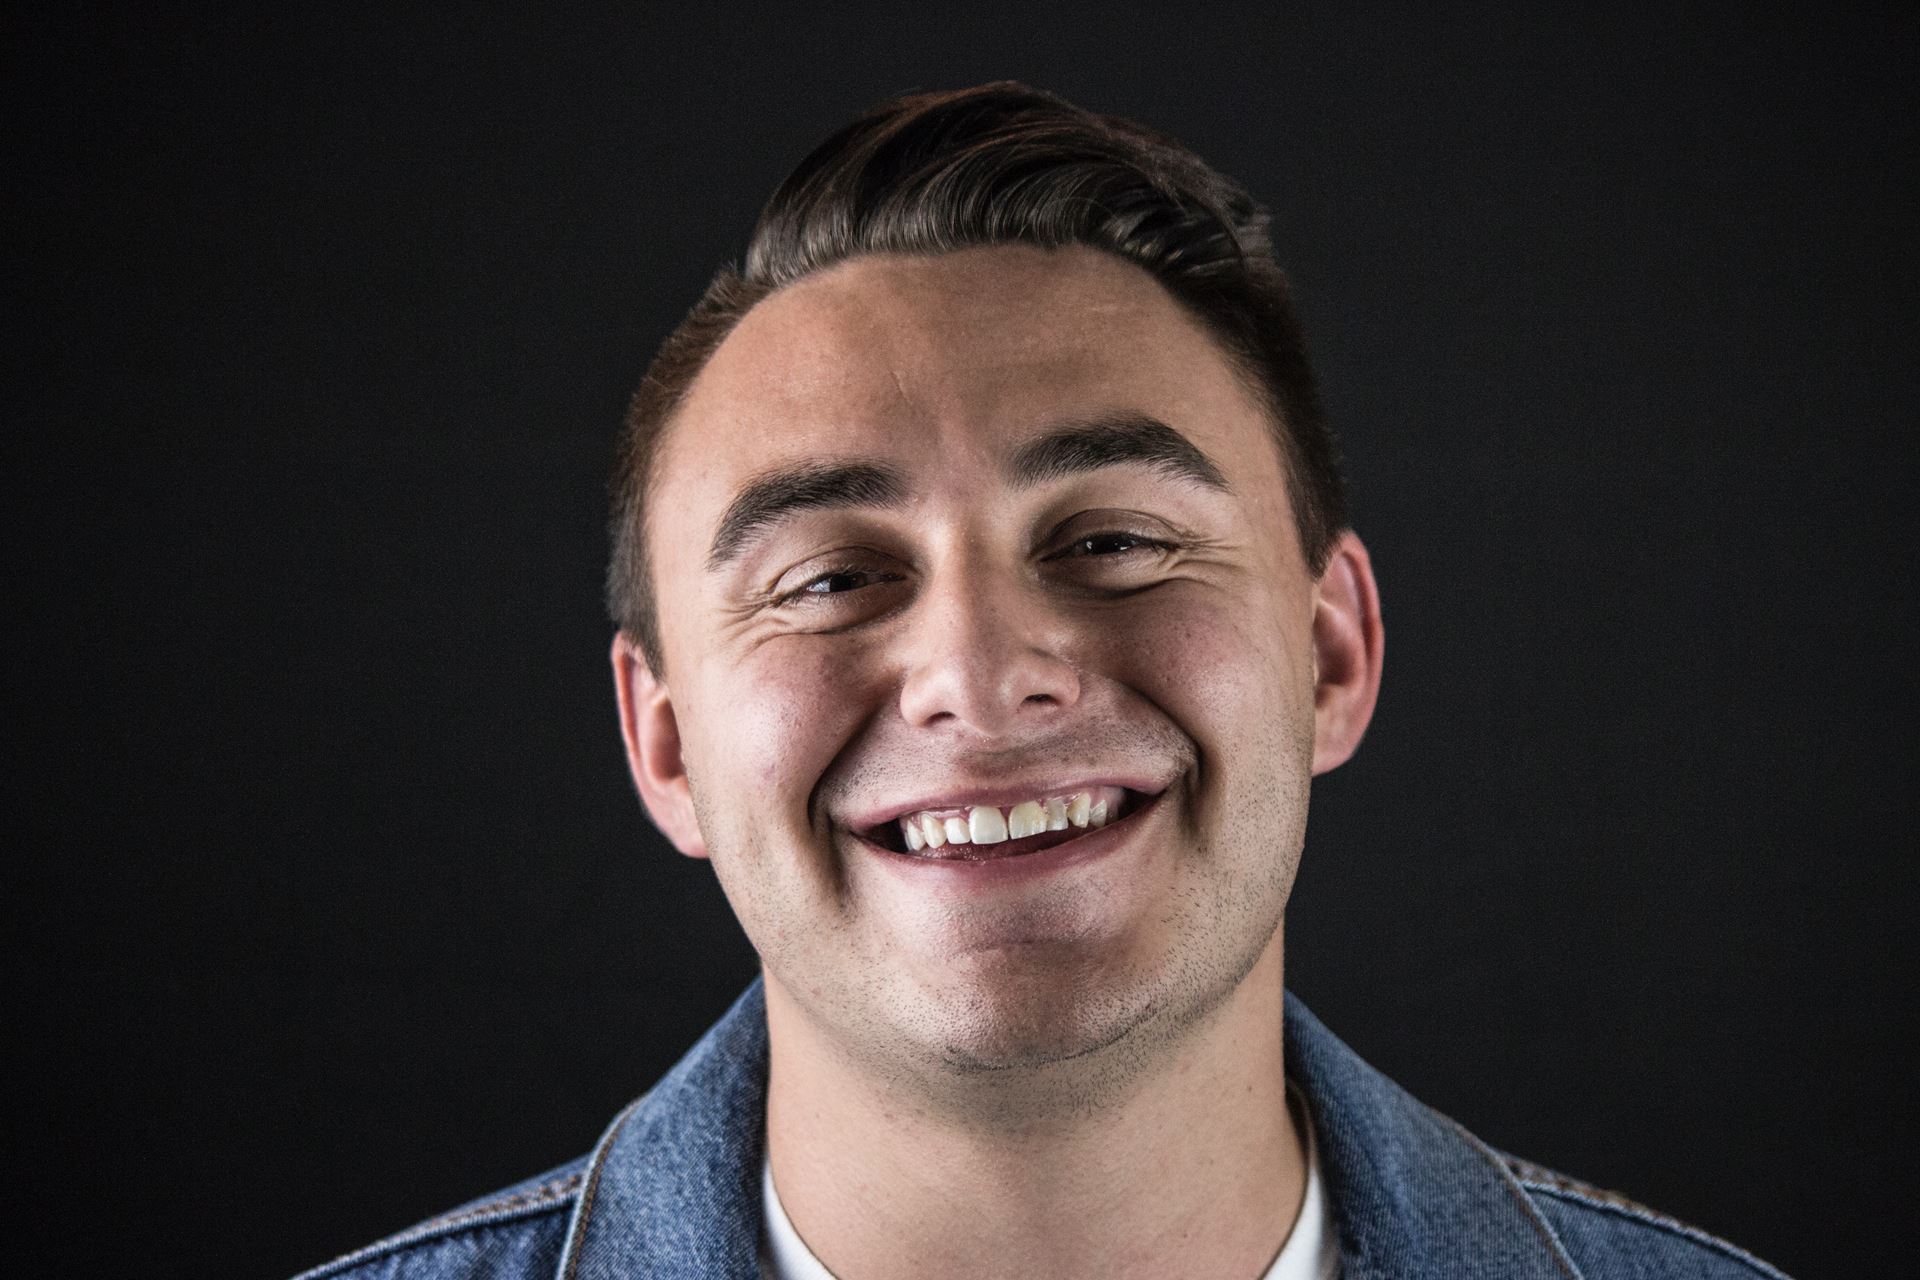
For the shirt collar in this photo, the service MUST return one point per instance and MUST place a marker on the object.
(673, 1187)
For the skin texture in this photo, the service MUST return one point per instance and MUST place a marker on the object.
(1070, 1071)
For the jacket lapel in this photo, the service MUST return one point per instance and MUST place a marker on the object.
(672, 1191)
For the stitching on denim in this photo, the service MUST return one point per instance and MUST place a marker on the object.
(1548, 1182)
(1553, 1180)
(1561, 1257)
(521, 1204)
(545, 1193)
(590, 1187)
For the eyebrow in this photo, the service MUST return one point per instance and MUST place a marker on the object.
(1112, 441)
(775, 495)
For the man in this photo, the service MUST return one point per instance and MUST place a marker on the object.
(986, 606)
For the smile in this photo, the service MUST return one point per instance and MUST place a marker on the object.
(982, 832)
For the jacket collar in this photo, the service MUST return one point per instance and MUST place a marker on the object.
(1415, 1194)
(673, 1188)
(672, 1191)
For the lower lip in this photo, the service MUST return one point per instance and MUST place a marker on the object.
(967, 872)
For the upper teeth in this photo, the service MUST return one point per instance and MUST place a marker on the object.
(986, 824)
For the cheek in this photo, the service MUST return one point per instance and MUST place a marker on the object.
(1220, 663)
(774, 725)
(772, 729)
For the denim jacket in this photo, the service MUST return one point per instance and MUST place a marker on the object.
(672, 1191)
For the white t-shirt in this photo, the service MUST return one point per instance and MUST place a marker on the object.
(1312, 1250)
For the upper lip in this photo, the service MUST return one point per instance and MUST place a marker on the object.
(1001, 795)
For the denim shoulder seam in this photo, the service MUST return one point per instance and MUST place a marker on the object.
(1511, 1185)
(1543, 1181)
(547, 1197)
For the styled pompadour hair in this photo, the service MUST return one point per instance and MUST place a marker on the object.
(1000, 164)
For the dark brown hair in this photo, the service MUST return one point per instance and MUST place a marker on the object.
(1000, 164)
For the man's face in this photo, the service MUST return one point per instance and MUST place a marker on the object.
(935, 535)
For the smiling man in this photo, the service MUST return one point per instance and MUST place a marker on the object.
(986, 607)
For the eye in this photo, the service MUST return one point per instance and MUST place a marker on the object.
(1111, 544)
(1110, 561)
(834, 582)
(828, 585)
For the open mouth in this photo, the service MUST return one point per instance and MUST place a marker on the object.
(982, 833)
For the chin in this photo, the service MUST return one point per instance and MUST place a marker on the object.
(1001, 1016)
(1043, 1011)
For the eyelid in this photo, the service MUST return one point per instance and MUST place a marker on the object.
(1139, 524)
(854, 560)
(1141, 541)
(795, 594)
(1127, 524)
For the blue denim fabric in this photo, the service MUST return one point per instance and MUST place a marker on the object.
(672, 1191)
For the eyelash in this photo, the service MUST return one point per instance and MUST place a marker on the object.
(801, 593)
(1138, 539)
(805, 589)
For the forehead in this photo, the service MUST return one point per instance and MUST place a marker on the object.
(950, 357)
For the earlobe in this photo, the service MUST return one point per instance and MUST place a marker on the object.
(1349, 643)
(652, 735)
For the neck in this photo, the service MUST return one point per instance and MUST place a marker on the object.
(1192, 1168)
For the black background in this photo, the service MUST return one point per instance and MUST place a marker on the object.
(337, 905)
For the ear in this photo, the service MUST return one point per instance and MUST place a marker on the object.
(1349, 642)
(652, 735)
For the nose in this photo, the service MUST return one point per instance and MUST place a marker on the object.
(988, 652)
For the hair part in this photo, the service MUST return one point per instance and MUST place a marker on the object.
(1000, 164)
